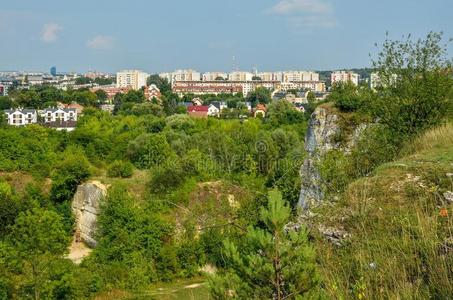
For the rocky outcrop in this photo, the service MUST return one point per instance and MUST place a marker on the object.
(323, 129)
(86, 208)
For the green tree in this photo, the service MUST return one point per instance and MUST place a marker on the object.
(283, 112)
(5, 103)
(101, 95)
(259, 95)
(130, 240)
(9, 208)
(271, 263)
(67, 175)
(3, 119)
(39, 238)
(416, 84)
(162, 83)
(345, 96)
(83, 81)
(148, 150)
(311, 106)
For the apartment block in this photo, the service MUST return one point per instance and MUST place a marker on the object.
(344, 76)
(133, 79)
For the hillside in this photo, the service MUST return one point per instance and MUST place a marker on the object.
(398, 224)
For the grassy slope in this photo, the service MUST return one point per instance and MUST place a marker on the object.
(398, 227)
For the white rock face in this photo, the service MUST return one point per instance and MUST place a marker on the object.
(320, 139)
(86, 208)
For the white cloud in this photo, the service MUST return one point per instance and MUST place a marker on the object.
(50, 32)
(306, 13)
(290, 7)
(100, 42)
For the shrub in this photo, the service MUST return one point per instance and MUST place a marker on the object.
(166, 178)
(148, 150)
(120, 169)
(67, 175)
(345, 96)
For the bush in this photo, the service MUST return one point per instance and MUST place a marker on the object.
(164, 179)
(346, 97)
(67, 175)
(120, 169)
(148, 150)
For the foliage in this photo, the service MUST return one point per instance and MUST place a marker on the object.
(130, 239)
(345, 96)
(162, 83)
(416, 88)
(120, 169)
(259, 95)
(39, 238)
(283, 112)
(398, 238)
(5, 103)
(271, 263)
(67, 175)
(148, 150)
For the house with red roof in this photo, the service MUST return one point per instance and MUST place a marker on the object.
(260, 111)
(198, 111)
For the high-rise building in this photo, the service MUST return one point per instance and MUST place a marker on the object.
(240, 76)
(212, 76)
(296, 76)
(133, 79)
(344, 76)
(53, 71)
(185, 75)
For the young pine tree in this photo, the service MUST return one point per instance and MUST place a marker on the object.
(271, 263)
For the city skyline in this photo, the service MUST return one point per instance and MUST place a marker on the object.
(270, 35)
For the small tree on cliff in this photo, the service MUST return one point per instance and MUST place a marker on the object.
(271, 263)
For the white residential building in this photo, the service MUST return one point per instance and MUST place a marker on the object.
(59, 115)
(271, 76)
(21, 117)
(185, 75)
(212, 76)
(295, 76)
(240, 76)
(344, 76)
(133, 79)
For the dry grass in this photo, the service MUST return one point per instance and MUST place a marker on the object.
(136, 185)
(438, 138)
(397, 249)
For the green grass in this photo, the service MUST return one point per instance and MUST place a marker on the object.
(395, 225)
(190, 289)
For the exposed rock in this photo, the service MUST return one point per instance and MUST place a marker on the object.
(320, 139)
(336, 236)
(86, 207)
(448, 197)
(447, 246)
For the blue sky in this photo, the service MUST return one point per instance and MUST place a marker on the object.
(156, 36)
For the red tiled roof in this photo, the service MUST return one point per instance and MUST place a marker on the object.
(199, 108)
(261, 107)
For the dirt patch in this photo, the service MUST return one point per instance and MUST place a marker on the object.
(78, 251)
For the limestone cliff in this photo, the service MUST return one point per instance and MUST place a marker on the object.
(86, 207)
(323, 130)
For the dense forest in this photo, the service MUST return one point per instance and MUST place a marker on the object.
(189, 193)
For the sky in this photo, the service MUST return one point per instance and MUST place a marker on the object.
(205, 35)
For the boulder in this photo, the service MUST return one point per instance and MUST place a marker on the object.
(86, 208)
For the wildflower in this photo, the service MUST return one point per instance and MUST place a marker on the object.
(443, 212)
